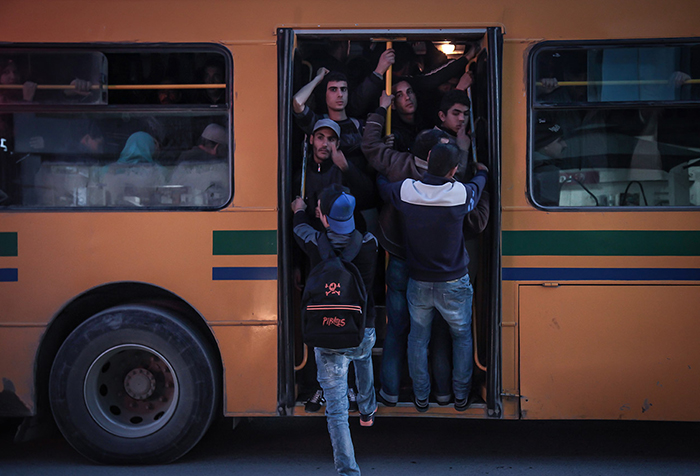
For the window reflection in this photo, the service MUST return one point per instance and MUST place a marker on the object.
(158, 139)
(115, 160)
(643, 149)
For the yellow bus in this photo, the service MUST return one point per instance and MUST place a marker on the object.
(146, 158)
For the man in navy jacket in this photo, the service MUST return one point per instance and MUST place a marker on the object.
(433, 211)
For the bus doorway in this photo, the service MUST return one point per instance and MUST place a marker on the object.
(427, 55)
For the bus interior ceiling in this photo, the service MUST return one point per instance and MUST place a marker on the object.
(415, 55)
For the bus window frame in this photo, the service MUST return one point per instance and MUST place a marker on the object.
(533, 107)
(133, 48)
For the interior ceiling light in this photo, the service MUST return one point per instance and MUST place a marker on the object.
(447, 48)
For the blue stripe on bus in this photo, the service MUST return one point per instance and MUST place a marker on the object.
(8, 275)
(601, 274)
(243, 274)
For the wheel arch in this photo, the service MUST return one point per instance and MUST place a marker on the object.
(98, 299)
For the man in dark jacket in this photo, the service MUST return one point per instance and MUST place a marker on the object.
(433, 211)
(336, 207)
(329, 165)
(397, 166)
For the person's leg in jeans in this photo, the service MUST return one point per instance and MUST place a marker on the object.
(364, 373)
(333, 377)
(454, 302)
(398, 324)
(440, 356)
(420, 303)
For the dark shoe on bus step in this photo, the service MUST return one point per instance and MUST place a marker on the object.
(443, 400)
(368, 420)
(314, 403)
(421, 405)
(384, 401)
(352, 399)
(461, 404)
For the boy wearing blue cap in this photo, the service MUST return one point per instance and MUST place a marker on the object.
(337, 207)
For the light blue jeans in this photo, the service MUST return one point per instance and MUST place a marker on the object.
(453, 300)
(332, 367)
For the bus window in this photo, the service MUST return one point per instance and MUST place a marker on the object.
(167, 78)
(614, 125)
(171, 152)
(61, 77)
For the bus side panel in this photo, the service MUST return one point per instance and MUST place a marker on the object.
(17, 369)
(509, 350)
(610, 352)
(249, 356)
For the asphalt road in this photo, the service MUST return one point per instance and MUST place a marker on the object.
(399, 446)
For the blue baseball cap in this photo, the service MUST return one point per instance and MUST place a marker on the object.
(338, 206)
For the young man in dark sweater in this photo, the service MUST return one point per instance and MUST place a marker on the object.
(336, 207)
(397, 166)
(433, 211)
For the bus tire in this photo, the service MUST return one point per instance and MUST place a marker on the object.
(134, 385)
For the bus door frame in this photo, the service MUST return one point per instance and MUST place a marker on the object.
(494, 38)
(286, 41)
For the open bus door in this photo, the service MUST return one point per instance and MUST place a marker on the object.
(486, 93)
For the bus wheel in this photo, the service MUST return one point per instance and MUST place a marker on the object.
(133, 385)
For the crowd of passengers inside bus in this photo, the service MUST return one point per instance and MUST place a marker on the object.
(429, 104)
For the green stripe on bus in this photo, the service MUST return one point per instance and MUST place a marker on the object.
(601, 243)
(258, 242)
(8, 243)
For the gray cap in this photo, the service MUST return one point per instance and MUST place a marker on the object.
(330, 123)
(215, 133)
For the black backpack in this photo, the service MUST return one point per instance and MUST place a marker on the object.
(334, 303)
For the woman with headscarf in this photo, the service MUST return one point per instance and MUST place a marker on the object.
(140, 148)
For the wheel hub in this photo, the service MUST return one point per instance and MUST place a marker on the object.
(131, 391)
(139, 384)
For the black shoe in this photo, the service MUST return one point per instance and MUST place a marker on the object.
(314, 403)
(367, 420)
(421, 405)
(384, 401)
(461, 405)
(352, 398)
(443, 400)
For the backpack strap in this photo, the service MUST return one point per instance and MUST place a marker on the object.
(357, 124)
(325, 249)
(353, 248)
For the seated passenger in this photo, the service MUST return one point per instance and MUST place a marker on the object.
(140, 148)
(212, 144)
(546, 161)
(92, 144)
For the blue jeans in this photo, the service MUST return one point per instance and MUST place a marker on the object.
(398, 325)
(453, 300)
(440, 356)
(333, 376)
